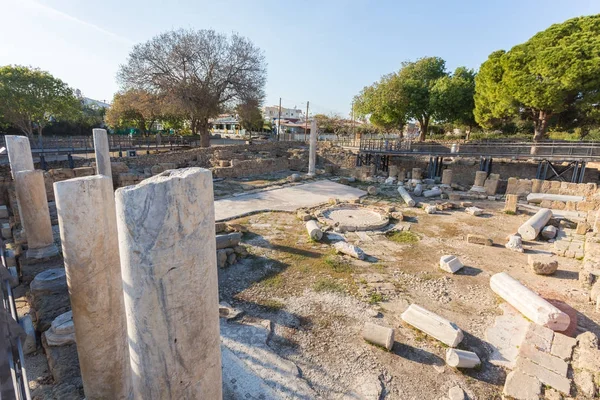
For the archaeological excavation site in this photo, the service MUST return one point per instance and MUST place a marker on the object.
(364, 269)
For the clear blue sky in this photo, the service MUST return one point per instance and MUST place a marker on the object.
(322, 51)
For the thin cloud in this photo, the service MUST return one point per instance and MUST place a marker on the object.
(57, 13)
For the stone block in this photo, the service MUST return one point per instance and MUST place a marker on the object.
(510, 204)
(433, 325)
(562, 346)
(450, 263)
(49, 297)
(539, 337)
(546, 360)
(3, 212)
(474, 211)
(479, 239)
(520, 386)
(542, 264)
(547, 377)
(83, 171)
(63, 361)
(549, 232)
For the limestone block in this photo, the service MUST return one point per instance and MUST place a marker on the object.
(521, 386)
(433, 325)
(454, 196)
(417, 173)
(542, 264)
(462, 358)
(167, 248)
(474, 211)
(19, 153)
(479, 239)
(582, 228)
(530, 304)
(61, 331)
(511, 203)
(30, 342)
(62, 360)
(49, 297)
(372, 190)
(447, 177)
(430, 209)
(547, 377)
(450, 263)
(562, 346)
(379, 335)
(536, 185)
(314, 232)
(228, 240)
(3, 212)
(480, 177)
(83, 171)
(491, 184)
(532, 227)
(102, 152)
(544, 359)
(350, 250)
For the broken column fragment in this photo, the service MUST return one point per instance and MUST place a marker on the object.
(447, 177)
(462, 359)
(379, 335)
(515, 243)
(228, 240)
(350, 250)
(532, 227)
(102, 152)
(529, 303)
(480, 177)
(88, 231)
(406, 196)
(313, 230)
(19, 154)
(35, 214)
(510, 205)
(432, 192)
(433, 325)
(167, 248)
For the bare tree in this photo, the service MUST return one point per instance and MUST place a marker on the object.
(199, 72)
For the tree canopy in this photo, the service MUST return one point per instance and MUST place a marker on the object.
(556, 71)
(31, 98)
(421, 91)
(135, 107)
(198, 72)
(250, 116)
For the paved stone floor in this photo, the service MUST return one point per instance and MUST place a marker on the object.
(285, 199)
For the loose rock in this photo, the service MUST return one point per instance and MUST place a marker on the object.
(515, 243)
(542, 264)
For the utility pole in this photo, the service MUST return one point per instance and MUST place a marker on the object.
(306, 121)
(279, 120)
(353, 134)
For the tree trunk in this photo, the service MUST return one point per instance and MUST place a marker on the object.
(541, 126)
(39, 129)
(204, 133)
(424, 128)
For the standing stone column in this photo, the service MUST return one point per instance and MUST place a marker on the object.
(19, 154)
(102, 150)
(88, 231)
(168, 251)
(35, 215)
(480, 177)
(447, 177)
(312, 153)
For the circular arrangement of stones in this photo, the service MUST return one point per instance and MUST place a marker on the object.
(353, 217)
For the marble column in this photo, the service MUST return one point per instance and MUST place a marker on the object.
(166, 227)
(19, 154)
(88, 231)
(102, 151)
(35, 215)
(312, 154)
(480, 177)
(447, 177)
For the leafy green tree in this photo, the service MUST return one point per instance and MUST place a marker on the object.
(382, 104)
(557, 69)
(452, 98)
(250, 116)
(30, 99)
(135, 108)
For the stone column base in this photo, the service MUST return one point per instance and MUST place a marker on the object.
(42, 252)
(479, 189)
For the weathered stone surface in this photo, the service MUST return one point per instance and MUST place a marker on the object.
(30, 342)
(19, 153)
(294, 178)
(432, 192)
(167, 248)
(549, 232)
(350, 250)
(562, 346)
(542, 264)
(474, 211)
(228, 240)
(379, 335)
(312, 152)
(479, 239)
(515, 243)
(433, 325)
(528, 302)
(585, 382)
(456, 393)
(532, 227)
(506, 336)
(582, 228)
(62, 360)
(546, 360)
(88, 231)
(480, 177)
(539, 337)
(372, 190)
(547, 377)
(510, 205)
(447, 177)
(313, 229)
(221, 258)
(491, 184)
(520, 386)
(102, 152)
(49, 297)
(429, 209)
(62, 330)
(450, 263)
(33, 207)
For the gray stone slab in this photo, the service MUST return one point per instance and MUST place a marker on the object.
(506, 336)
(285, 199)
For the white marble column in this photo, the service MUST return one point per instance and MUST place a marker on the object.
(88, 231)
(167, 246)
(35, 215)
(102, 150)
(19, 154)
(312, 153)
